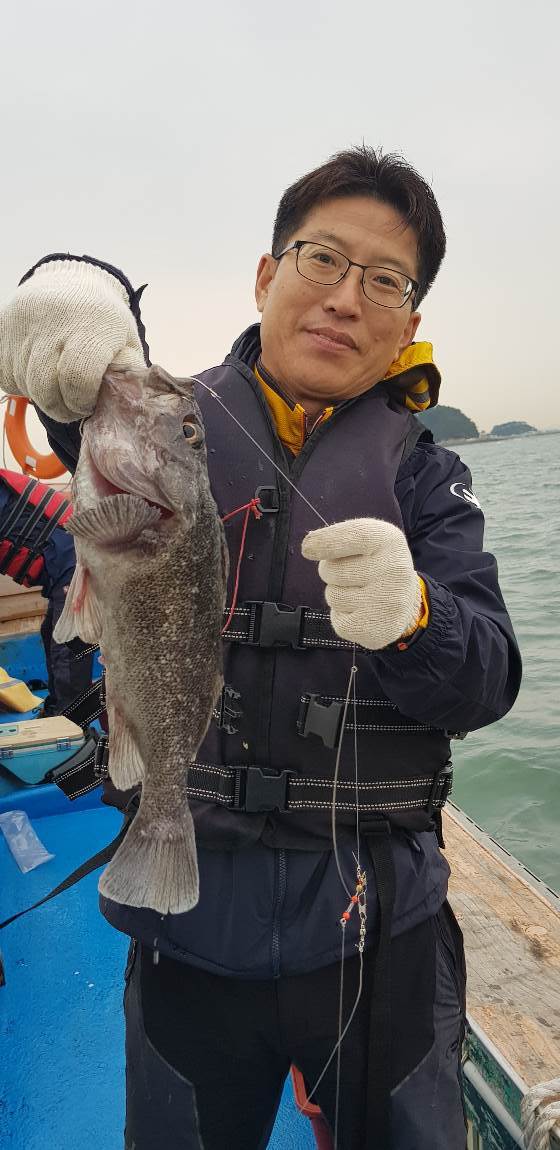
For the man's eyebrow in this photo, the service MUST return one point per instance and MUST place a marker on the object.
(328, 236)
(383, 262)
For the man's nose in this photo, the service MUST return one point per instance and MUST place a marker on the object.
(346, 297)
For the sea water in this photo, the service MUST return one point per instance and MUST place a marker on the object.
(507, 775)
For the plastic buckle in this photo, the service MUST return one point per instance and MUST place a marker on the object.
(322, 719)
(442, 781)
(276, 626)
(225, 713)
(271, 505)
(263, 792)
(101, 761)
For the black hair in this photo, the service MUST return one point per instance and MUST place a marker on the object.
(361, 171)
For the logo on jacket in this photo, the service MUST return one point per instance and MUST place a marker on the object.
(464, 492)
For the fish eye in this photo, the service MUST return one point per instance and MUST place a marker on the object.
(193, 433)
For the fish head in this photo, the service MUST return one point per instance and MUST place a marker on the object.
(146, 438)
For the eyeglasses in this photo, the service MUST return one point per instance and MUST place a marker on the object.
(323, 265)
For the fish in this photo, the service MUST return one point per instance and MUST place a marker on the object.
(149, 588)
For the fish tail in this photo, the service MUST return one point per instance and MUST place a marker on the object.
(155, 866)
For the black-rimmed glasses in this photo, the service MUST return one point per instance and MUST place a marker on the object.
(323, 265)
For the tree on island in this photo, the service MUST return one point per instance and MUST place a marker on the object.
(449, 423)
(514, 427)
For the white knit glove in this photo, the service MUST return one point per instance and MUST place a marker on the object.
(60, 332)
(372, 588)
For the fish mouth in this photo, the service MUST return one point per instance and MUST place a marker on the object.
(105, 488)
(165, 511)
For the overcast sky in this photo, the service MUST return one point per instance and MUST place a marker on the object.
(160, 135)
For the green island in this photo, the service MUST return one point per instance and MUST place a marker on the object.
(450, 425)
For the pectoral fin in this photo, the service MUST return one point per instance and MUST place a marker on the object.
(116, 519)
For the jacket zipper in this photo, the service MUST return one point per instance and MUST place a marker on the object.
(309, 424)
(280, 874)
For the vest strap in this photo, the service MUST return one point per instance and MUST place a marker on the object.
(17, 538)
(78, 649)
(35, 517)
(43, 537)
(77, 775)
(87, 768)
(267, 624)
(12, 521)
(252, 788)
(19, 506)
(88, 706)
(321, 715)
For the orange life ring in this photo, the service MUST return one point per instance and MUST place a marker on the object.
(31, 461)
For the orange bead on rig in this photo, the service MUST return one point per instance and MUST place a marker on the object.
(355, 898)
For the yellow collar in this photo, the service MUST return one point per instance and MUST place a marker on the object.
(293, 426)
(413, 379)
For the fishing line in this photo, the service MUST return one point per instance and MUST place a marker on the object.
(359, 898)
(344, 1032)
(339, 1052)
(354, 705)
(351, 680)
(259, 448)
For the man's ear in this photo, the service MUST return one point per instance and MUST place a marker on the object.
(410, 330)
(266, 272)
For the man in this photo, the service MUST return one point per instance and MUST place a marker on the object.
(36, 552)
(417, 636)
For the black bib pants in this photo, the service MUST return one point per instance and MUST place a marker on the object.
(207, 1056)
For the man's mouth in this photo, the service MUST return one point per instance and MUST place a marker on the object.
(330, 337)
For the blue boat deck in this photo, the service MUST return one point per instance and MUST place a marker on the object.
(61, 1019)
(61, 1026)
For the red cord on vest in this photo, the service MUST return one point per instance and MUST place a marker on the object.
(253, 506)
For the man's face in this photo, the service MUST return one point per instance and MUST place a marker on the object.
(303, 322)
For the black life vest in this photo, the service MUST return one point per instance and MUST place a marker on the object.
(265, 768)
(27, 525)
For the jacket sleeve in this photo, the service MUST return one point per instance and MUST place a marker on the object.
(64, 439)
(465, 670)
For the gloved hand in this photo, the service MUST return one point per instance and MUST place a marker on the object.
(60, 332)
(372, 588)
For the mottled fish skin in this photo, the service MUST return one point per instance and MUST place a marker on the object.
(157, 602)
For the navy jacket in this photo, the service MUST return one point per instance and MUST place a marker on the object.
(265, 909)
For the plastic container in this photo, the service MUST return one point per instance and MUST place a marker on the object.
(31, 748)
